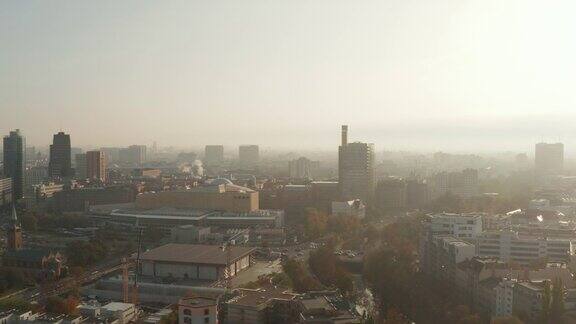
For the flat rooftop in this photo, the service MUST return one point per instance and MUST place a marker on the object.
(257, 297)
(319, 302)
(195, 253)
(117, 306)
(197, 301)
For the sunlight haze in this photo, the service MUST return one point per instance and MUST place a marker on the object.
(403, 73)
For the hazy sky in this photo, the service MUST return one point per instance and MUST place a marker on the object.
(433, 74)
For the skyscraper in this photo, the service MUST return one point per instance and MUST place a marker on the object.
(549, 158)
(248, 155)
(95, 166)
(213, 154)
(60, 165)
(15, 161)
(355, 168)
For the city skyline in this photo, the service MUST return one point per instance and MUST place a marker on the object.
(403, 76)
(255, 161)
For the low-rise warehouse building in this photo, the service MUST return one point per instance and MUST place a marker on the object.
(194, 262)
(166, 218)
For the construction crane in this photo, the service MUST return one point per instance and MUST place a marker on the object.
(125, 284)
(135, 296)
(131, 295)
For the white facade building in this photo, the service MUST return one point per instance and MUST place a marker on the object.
(463, 226)
(197, 310)
(123, 312)
(509, 246)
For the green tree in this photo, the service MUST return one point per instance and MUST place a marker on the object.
(17, 303)
(85, 253)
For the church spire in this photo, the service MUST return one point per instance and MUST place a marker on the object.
(14, 237)
(14, 215)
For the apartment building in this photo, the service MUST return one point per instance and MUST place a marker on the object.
(464, 226)
(510, 246)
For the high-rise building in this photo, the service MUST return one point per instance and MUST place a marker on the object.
(303, 168)
(95, 166)
(464, 184)
(112, 154)
(391, 194)
(248, 155)
(213, 154)
(355, 168)
(60, 164)
(5, 192)
(30, 155)
(73, 152)
(549, 158)
(81, 166)
(15, 161)
(133, 154)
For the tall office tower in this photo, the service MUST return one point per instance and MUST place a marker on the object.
(81, 169)
(95, 165)
(213, 154)
(60, 164)
(15, 161)
(248, 155)
(303, 168)
(549, 158)
(355, 168)
(133, 154)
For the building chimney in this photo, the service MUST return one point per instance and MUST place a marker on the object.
(344, 135)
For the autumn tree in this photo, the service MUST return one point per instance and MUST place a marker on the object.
(316, 223)
(299, 276)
